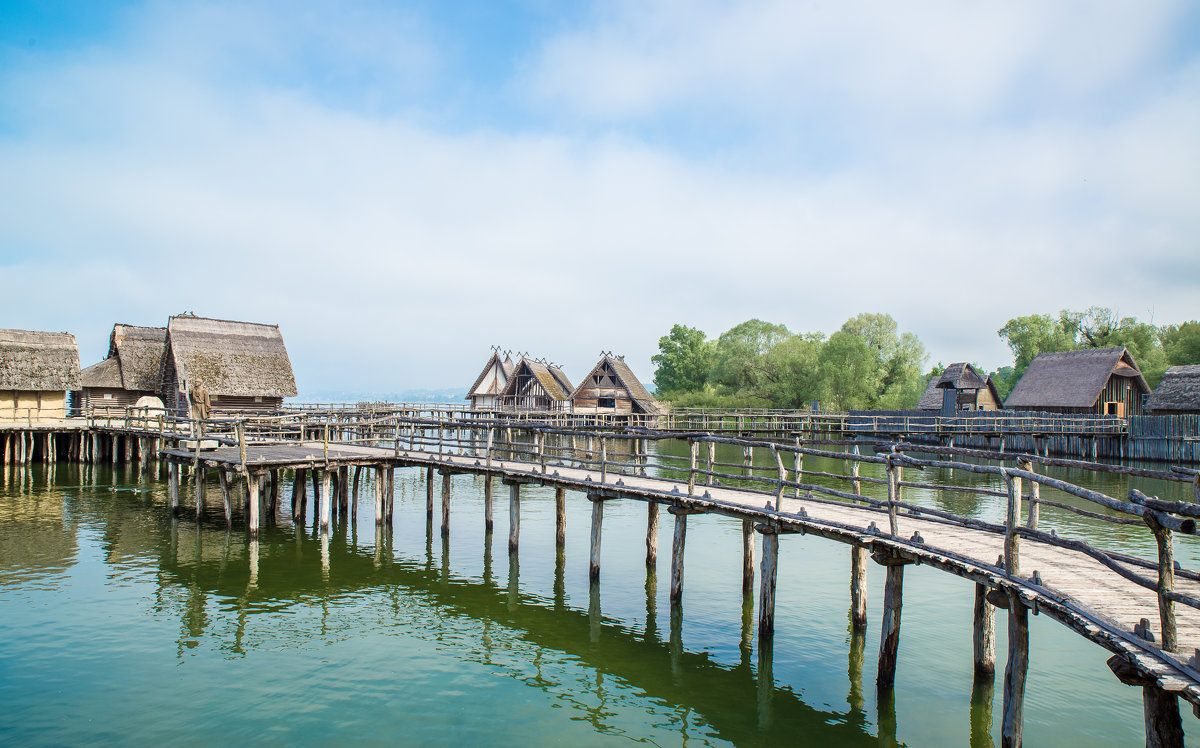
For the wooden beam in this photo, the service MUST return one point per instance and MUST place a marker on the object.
(487, 498)
(984, 634)
(514, 516)
(445, 504)
(747, 557)
(1012, 727)
(889, 635)
(677, 556)
(858, 586)
(766, 595)
(597, 522)
(651, 534)
(560, 517)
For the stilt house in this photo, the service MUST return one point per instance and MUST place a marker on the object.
(1103, 381)
(37, 370)
(611, 387)
(244, 366)
(130, 370)
(485, 393)
(537, 385)
(960, 387)
(1178, 393)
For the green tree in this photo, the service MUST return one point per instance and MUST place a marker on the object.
(740, 357)
(1033, 334)
(683, 361)
(790, 376)
(1181, 343)
(1100, 327)
(850, 372)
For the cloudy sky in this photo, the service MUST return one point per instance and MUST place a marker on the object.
(402, 185)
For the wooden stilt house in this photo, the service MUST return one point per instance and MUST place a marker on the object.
(1103, 381)
(612, 388)
(129, 372)
(243, 366)
(37, 370)
(1178, 393)
(536, 385)
(485, 393)
(960, 387)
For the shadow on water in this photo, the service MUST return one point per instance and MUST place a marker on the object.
(739, 703)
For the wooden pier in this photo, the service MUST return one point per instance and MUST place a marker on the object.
(1146, 613)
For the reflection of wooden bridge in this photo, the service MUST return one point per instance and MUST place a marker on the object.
(1108, 597)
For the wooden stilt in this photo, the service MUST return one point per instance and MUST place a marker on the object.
(429, 493)
(299, 488)
(252, 501)
(747, 557)
(1014, 673)
(560, 516)
(389, 493)
(597, 522)
(889, 642)
(379, 508)
(173, 486)
(326, 500)
(445, 503)
(198, 475)
(487, 501)
(858, 587)
(651, 534)
(766, 595)
(677, 557)
(223, 477)
(514, 516)
(984, 635)
(354, 491)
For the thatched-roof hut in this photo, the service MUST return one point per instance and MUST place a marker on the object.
(485, 393)
(1178, 393)
(131, 369)
(960, 387)
(1105, 381)
(611, 387)
(536, 385)
(241, 365)
(37, 370)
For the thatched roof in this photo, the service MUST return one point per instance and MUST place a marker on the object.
(106, 375)
(504, 367)
(553, 380)
(230, 358)
(1178, 390)
(625, 376)
(38, 361)
(134, 360)
(1073, 379)
(959, 376)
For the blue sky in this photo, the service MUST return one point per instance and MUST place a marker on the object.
(401, 185)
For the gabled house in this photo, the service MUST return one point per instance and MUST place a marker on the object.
(611, 387)
(1178, 393)
(485, 393)
(37, 370)
(129, 372)
(1104, 381)
(241, 366)
(536, 385)
(960, 387)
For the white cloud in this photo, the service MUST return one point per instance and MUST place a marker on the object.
(393, 253)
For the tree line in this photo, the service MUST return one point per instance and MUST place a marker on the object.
(869, 364)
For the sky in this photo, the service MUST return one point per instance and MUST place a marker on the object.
(400, 186)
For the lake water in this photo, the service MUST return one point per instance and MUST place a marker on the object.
(120, 624)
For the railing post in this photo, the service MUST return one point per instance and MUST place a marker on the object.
(799, 466)
(1166, 582)
(893, 489)
(488, 453)
(1031, 520)
(603, 458)
(1011, 522)
(541, 449)
(780, 476)
(712, 457)
(693, 448)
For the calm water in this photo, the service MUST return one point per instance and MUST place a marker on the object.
(119, 624)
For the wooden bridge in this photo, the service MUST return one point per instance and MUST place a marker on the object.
(1146, 612)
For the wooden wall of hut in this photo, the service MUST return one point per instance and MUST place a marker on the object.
(24, 405)
(246, 403)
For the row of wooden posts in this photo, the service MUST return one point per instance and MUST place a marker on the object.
(24, 447)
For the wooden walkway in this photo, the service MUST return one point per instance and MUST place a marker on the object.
(1070, 586)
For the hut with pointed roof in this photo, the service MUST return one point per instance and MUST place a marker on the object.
(129, 372)
(1103, 381)
(536, 385)
(37, 370)
(1178, 393)
(960, 387)
(485, 393)
(612, 387)
(242, 366)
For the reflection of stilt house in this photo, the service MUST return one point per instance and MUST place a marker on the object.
(1105, 381)
(37, 370)
(485, 393)
(536, 385)
(242, 365)
(612, 388)
(960, 387)
(129, 372)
